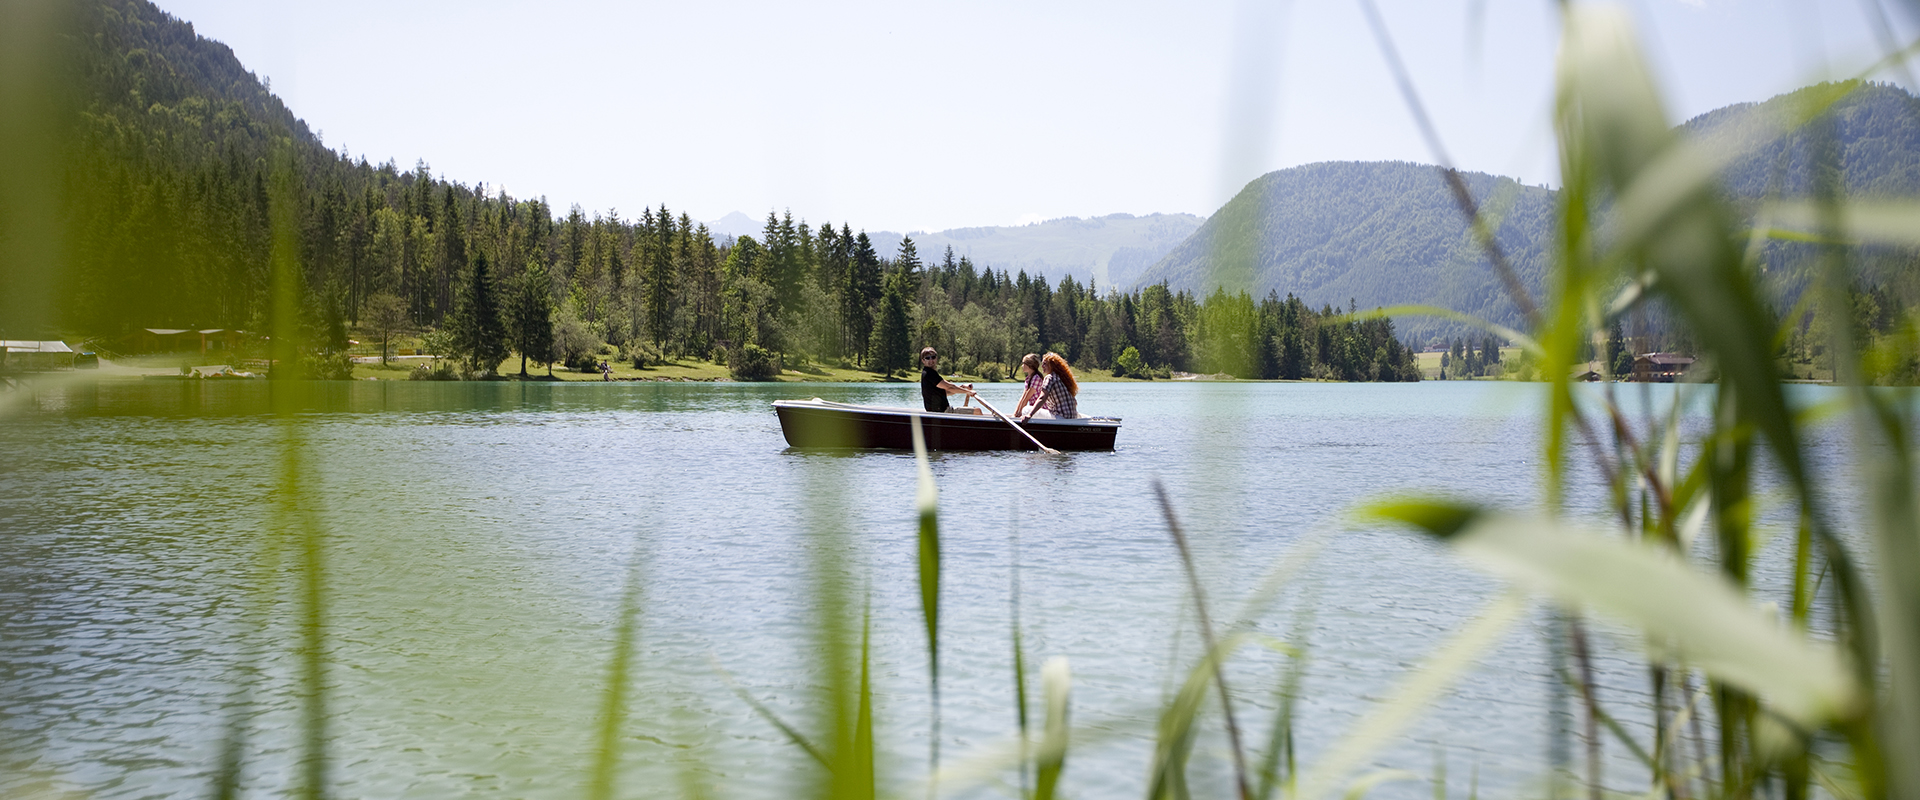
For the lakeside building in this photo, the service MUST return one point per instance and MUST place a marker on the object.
(1661, 367)
(27, 355)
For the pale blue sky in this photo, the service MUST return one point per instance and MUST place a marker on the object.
(927, 116)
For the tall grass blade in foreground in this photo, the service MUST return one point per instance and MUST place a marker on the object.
(293, 497)
(1277, 764)
(1411, 698)
(1056, 684)
(927, 502)
(1019, 648)
(613, 705)
(1207, 640)
(1719, 632)
(842, 632)
(1639, 210)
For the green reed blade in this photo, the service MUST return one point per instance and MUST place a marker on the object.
(793, 734)
(1413, 696)
(1700, 617)
(613, 704)
(1366, 783)
(293, 497)
(1276, 764)
(927, 502)
(1019, 649)
(1520, 340)
(1439, 773)
(1894, 222)
(1056, 684)
(863, 759)
(1207, 639)
(1167, 778)
(840, 632)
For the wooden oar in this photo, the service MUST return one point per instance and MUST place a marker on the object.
(1016, 426)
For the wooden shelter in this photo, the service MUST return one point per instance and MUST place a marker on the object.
(1661, 367)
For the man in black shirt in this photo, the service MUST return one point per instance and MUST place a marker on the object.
(933, 388)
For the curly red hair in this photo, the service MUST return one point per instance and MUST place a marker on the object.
(1065, 372)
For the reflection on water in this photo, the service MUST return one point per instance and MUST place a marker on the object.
(477, 537)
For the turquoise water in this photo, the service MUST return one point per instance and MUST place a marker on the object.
(477, 538)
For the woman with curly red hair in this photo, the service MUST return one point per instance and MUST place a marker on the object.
(1057, 391)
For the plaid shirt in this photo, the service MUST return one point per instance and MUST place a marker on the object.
(1054, 397)
(1034, 382)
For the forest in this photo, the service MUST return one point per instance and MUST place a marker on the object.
(182, 168)
(175, 161)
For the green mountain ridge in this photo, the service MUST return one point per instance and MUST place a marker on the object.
(1378, 234)
(1366, 233)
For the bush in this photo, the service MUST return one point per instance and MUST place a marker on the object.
(573, 344)
(754, 363)
(329, 367)
(644, 354)
(718, 356)
(1130, 365)
(583, 362)
(990, 371)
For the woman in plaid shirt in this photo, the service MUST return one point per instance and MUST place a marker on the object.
(1057, 391)
(1029, 363)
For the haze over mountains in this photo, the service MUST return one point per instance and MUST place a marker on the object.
(1113, 250)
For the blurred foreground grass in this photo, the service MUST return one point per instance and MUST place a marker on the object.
(1749, 699)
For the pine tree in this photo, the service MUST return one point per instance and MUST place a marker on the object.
(907, 261)
(661, 287)
(530, 314)
(862, 291)
(889, 348)
(453, 253)
(479, 334)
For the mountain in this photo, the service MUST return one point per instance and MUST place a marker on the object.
(734, 224)
(1388, 233)
(1111, 250)
(1876, 128)
(1370, 233)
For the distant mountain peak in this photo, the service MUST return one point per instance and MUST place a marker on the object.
(1108, 250)
(735, 224)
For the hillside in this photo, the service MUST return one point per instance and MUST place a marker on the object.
(1876, 138)
(1371, 233)
(1876, 128)
(1382, 234)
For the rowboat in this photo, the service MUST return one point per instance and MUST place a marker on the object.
(823, 423)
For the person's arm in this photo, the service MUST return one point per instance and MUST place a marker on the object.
(1040, 400)
(953, 388)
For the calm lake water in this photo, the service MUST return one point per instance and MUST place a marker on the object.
(477, 538)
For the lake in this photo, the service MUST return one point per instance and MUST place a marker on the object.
(476, 540)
